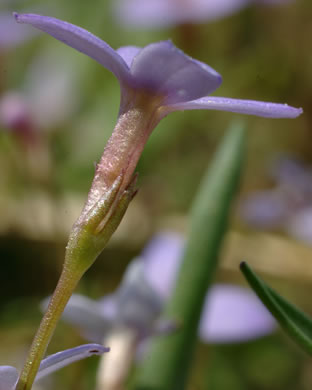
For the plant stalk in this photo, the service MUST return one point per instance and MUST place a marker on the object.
(64, 289)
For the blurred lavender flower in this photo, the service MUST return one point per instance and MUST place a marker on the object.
(51, 88)
(10, 36)
(287, 206)
(15, 113)
(164, 13)
(9, 375)
(46, 99)
(230, 314)
(134, 305)
(128, 317)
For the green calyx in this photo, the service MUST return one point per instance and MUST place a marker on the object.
(91, 233)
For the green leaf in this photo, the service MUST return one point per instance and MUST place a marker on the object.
(169, 360)
(295, 323)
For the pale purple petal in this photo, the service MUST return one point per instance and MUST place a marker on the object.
(162, 257)
(52, 88)
(162, 13)
(249, 107)
(265, 209)
(203, 10)
(8, 377)
(15, 112)
(167, 71)
(286, 169)
(128, 53)
(138, 302)
(61, 359)
(108, 306)
(79, 39)
(12, 35)
(293, 175)
(145, 14)
(88, 316)
(96, 330)
(234, 314)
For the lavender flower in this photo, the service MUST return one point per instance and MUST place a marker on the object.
(127, 318)
(10, 36)
(286, 206)
(164, 13)
(15, 113)
(134, 305)
(47, 97)
(230, 313)
(9, 375)
(155, 80)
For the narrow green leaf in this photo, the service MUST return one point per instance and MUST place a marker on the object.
(170, 357)
(295, 323)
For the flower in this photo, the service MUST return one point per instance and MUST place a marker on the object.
(134, 305)
(9, 375)
(129, 316)
(230, 314)
(286, 206)
(45, 100)
(15, 113)
(164, 13)
(10, 36)
(154, 80)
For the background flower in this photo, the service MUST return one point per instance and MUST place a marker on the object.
(129, 317)
(231, 313)
(286, 206)
(164, 13)
(10, 36)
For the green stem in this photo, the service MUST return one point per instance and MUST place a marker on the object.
(66, 284)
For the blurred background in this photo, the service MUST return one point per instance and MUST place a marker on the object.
(57, 110)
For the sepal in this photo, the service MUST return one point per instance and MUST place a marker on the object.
(93, 229)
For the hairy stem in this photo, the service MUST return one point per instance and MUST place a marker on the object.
(67, 283)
